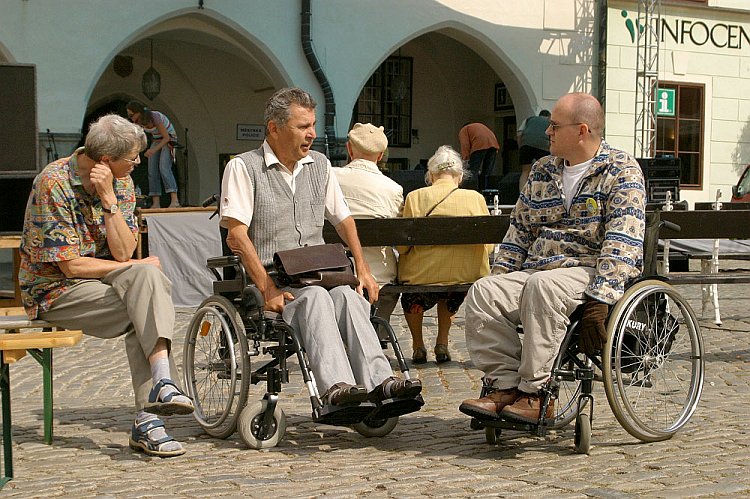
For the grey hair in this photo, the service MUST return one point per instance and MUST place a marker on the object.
(445, 160)
(113, 136)
(277, 107)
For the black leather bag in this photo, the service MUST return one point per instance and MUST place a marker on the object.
(324, 265)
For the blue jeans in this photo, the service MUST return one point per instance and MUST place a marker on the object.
(160, 169)
(481, 164)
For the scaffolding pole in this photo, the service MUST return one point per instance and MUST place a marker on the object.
(647, 76)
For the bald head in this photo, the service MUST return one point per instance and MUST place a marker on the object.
(584, 108)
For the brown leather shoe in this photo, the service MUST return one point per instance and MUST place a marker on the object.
(489, 407)
(527, 408)
(344, 394)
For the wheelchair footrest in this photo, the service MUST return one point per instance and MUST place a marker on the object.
(390, 408)
(510, 424)
(344, 415)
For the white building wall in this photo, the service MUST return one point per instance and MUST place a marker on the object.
(724, 70)
(539, 48)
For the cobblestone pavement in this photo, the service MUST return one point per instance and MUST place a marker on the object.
(432, 453)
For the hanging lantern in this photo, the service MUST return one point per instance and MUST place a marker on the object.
(151, 82)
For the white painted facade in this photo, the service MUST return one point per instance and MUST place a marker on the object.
(711, 49)
(219, 64)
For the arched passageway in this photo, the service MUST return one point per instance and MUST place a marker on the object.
(215, 80)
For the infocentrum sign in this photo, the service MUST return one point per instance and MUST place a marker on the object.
(699, 33)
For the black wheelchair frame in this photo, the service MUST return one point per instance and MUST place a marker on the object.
(230, 328)
(652, 334)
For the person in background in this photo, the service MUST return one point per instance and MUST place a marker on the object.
(77, 271)
(370, 194)
(452, 264)
(533, 142)
(575, 238)
(161, 153)
(479, 147)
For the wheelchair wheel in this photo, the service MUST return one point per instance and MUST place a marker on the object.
(583, 434)
(653, 374)
(250, 426)
(216, 365)
(569, 388)
(491, 434)
(376, 427)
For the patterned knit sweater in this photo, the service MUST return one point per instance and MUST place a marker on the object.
(603, 229)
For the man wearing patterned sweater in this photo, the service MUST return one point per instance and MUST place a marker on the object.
(575, 238)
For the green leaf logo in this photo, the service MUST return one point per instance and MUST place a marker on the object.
(630, 25)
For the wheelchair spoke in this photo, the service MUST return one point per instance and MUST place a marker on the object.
(654, 372)
(215, 356)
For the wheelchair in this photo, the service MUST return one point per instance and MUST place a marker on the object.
(228, 331)
(652, 364)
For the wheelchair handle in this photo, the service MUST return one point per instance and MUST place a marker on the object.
(213, 198)
(671, 226)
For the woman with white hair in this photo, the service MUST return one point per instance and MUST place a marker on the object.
(449, 264)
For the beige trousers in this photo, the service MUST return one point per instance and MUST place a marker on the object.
(541, 301)
(134, 301)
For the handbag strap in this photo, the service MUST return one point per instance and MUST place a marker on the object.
(431, 210)
(438, 203)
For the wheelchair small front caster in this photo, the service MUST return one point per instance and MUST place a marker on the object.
(376, 427)
(583, 434)
(250, 426)
(475, 424)
(491, 434)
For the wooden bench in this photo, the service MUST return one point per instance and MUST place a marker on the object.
(703, 224)
(19, 335)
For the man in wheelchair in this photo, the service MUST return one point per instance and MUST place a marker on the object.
(575, 238)
(276, 198)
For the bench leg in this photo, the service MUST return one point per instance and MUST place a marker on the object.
(47, 374)
(44, 357)
(7, 433)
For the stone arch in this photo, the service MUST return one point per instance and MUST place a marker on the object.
(189, 49)
(462, 95)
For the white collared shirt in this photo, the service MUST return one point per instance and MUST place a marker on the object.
(238, 193)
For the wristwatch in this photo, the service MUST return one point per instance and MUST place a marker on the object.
(113, 208)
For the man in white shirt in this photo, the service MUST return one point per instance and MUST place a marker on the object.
(276, 198)
(370, 194)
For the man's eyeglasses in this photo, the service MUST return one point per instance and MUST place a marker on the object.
(554, 126)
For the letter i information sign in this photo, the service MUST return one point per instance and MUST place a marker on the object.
(665, 105)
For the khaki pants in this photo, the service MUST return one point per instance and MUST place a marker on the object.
(541, 301)
(134, 301)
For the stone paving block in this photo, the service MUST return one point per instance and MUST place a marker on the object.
(436, 444)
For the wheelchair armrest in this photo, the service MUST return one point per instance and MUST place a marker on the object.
(222, 261)
(255, 294)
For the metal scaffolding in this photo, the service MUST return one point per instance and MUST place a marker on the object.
(647, 76)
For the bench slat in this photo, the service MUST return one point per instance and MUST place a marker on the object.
(49, 339)
(21, 322)
(696, 278)
(430, 288)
